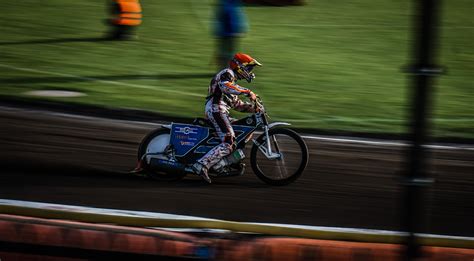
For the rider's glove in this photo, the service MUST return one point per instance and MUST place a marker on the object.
(252, 96)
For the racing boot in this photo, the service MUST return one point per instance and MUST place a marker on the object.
(200, 170)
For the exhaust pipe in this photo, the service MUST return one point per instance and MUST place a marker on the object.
(166, 165)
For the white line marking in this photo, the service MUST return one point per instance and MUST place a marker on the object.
(145, 214)
(149, 87)
(353, 140)
(54, 93)
(387, 143)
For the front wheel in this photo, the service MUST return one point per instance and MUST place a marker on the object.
(290, 157)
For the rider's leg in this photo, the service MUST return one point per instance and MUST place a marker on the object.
(221, 122)
(215, 155)
(225, 132)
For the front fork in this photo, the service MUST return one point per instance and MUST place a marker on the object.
(266, 149)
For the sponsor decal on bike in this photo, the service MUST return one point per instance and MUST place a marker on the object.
(186, 130)
(185, 137)
(187, 143)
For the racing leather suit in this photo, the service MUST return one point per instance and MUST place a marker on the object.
(223, 95)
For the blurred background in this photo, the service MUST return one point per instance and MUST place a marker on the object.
(327, 65)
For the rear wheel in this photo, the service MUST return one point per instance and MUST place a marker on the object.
(155, 143)
(288, 166)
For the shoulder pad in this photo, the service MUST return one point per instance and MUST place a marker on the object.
(227, 75)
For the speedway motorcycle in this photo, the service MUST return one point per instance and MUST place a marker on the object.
(278, 155)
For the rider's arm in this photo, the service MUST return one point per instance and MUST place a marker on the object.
(233, 88)
(241, 106)
(227, 85)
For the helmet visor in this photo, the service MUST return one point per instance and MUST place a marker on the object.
(250, 67)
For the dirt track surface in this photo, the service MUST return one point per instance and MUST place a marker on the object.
(57, 158)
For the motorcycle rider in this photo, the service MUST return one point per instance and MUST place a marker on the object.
(223, 95)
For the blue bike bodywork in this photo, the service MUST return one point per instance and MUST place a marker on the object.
(190, 142)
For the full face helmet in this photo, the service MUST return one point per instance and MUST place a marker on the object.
(242, 64)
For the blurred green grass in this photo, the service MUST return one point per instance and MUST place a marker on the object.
(328, 65)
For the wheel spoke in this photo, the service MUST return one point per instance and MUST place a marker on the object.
(282, 167)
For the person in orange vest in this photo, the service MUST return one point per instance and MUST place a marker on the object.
(126, 16)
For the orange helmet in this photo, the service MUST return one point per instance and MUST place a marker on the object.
(242, 64)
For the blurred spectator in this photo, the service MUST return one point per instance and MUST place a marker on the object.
(126, 16)
(231, 23)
